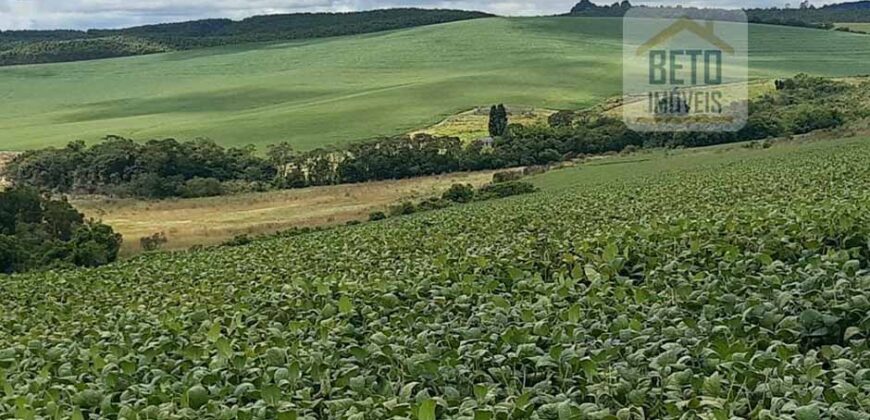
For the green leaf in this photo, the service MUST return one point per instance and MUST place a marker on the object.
(851, 332)
(271, 394)
(427, 410)
(480, 392)
(641, 296)
(713, 385)
(809, 412)
(574, 313)
(501, 302)
(610, 252)
(590, 368)
(225, 348)
(214, 332)
(345, 305)
(288, 415)
(408, 390)
(592, 274)
(483, 415)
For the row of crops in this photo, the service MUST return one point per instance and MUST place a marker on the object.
(738, 290)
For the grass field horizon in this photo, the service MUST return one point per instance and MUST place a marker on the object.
(335, 91)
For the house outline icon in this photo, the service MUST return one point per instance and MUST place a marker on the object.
(706, 32)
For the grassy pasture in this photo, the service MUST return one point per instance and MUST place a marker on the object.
(210, 221)
(856, 26)
(332, 91)
(474, 124)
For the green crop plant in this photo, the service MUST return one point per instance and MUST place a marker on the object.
(734, 289)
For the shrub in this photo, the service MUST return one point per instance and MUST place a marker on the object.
(11, 254)
(241, 187)
(506, 189)
(549, 156)
(630, 149)
(506, 176)
(153, 242)
(535, 170)
(95, 244)
(402, 209)
(202, 187)
(459, 193)
(561, 119)
(238, 240)
(378, 215)
(808, 118)
(434, 204)
(151, 185)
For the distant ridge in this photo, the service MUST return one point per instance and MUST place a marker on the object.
(30, 47)
(806, 15)
(856, 5)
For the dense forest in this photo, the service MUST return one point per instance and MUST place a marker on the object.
(78, 49)
(38, 232)
(805, 15)
(169, 168)
(25, 47)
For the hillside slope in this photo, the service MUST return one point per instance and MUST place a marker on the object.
(339, 90)
(30, 47)
(734, 289)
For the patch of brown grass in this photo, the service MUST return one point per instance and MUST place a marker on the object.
(5, 158)
(209, 221)
(474, 124)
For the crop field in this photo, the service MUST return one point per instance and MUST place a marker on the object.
(210, 221)
(865, 27)
(334, 91)
(735, 288)
(474, 124)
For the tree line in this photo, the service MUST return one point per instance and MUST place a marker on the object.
(805, 15)
(28, 47)
(199, 168)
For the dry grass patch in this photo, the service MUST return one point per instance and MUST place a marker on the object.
(5, 158)
(474, 124)
(209, 221)
(855, 26)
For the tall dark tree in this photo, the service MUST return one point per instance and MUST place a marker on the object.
(498, 120)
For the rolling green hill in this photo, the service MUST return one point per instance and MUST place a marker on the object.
(51, 46)
(338, 90)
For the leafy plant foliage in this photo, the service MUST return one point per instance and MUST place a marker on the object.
(734, 290)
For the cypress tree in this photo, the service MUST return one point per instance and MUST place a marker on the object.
(498, 120)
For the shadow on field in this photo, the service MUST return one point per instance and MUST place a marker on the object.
(231, 100)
